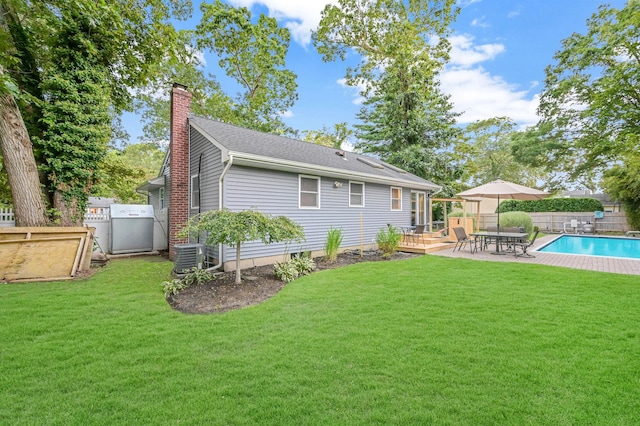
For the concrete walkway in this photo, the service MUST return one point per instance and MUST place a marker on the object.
(592, 263)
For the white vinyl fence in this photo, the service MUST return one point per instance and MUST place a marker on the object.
(6, 217)
(561, 222)
(102, 223)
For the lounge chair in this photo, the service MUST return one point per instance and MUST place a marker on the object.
(463, 238)
(524, 246)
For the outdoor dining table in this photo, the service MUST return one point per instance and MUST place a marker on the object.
(501, 237)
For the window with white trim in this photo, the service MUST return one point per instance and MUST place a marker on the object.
(161, 198)
(309, 192)
(356, 194)
(195, 191)
(396, 198)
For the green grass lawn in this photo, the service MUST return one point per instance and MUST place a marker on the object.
(430, 340)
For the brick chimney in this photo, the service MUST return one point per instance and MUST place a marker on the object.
(179, 164)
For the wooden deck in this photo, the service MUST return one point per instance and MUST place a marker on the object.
(426, 244)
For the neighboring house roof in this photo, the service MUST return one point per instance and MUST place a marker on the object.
(264, 150)
(604, 198)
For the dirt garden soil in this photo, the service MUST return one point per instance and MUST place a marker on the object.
(258, 284)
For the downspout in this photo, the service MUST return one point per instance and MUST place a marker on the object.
(220, 186)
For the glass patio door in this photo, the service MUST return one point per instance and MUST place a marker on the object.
(418, 208)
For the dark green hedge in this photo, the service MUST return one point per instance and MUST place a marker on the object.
(552, 205)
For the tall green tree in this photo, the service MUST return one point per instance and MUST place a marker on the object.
(254, 55)
(73, 65)
(622, 182)
(122, 170)
(485, 153)
(333, 138)
(590, 106)
(185, 67)
(75, 117)
(406, 119)
(382, 32)
(408, 126)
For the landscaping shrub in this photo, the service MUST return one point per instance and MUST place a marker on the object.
(388, 240)
(334, 239)
(193, 277)
(293, 268)
(304, 264)
(173, 287)
(516, 220)
(285, 271)
(197, 276)
(552, 205)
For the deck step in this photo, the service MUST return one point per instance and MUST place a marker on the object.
(426, 248)
(424, 241)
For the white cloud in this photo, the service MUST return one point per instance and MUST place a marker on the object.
(465, 3)
(480, 22)
(465, 53)
(358, 99)
(479, 95)
(287, 114)
(301, 17)
(513, 13)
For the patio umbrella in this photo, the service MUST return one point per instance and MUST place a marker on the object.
(501, 189)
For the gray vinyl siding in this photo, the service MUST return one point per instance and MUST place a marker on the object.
(154, 199)
(210, 169)
(276, 193)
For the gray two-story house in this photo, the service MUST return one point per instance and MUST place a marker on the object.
(214, 165)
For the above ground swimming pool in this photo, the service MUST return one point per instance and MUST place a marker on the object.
(628, 248)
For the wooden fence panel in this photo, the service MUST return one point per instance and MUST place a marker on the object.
(38, 254)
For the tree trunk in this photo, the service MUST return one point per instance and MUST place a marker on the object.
(17, 152)
(238, 277)
(68, 214)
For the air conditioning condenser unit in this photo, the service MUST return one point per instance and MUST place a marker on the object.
(189, 256)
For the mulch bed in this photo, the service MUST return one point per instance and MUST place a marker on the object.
(258, 284)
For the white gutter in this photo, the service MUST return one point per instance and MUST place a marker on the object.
(220, 187)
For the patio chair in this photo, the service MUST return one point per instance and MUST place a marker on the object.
(514, 229)
(490, 240)
(463, 238)
(418, 233)
(524, 246)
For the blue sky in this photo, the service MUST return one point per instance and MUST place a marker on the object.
(500, 49)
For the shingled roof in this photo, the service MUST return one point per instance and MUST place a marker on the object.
(257, 149)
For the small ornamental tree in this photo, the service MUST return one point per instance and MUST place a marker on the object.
(235, 228)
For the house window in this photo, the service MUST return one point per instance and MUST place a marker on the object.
(396, 198)
(356, 194)
(161, 198)
(309, 189)
(195, 191)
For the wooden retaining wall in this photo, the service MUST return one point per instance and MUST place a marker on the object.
(44, 254)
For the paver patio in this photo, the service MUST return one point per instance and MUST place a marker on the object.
(593, 263)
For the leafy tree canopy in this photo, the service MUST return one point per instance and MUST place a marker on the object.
(72, 65)
(484, 152)
(590, 106)
(254, 54)
(329, 137)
